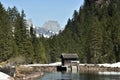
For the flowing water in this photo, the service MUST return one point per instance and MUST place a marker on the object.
(80, 76)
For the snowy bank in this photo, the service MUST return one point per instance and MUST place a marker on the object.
(102, 68)
(51, 64)
(111, 65)
(4, 76)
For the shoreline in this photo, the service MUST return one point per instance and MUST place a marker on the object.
(33, 72)
(33, 76)
(100, 67)
(95, 68)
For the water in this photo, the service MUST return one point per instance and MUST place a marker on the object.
(79, 76)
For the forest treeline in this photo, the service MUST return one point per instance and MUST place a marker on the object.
(93, 33)
(18, 44)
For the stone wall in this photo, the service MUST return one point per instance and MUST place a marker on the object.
(96, 68)
(28, 73)
(46, 68)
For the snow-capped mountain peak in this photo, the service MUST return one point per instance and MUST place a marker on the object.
(48, 29)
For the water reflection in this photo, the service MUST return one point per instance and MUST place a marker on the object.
(69, 76)
(60, 76)
(78, 76)
(96, 76)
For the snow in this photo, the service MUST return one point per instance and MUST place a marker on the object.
(116, 65)
(105, 65)
(37, 35)
(46, 36)
(51, 64)
(111, 65)
(59, 63)
(4, 76)
(55, 64)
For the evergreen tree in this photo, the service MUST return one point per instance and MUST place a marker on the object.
(5, 35)
(93, 33)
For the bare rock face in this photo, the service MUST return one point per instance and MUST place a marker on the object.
(48, 29)
(51, 26)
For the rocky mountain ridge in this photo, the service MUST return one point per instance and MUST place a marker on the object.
(48, 29)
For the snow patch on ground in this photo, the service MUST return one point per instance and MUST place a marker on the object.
(4, 76)
(111, 65)
(55, 64)
(59, 63)
(51, 64)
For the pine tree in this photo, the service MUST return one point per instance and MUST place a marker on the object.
(5, 35)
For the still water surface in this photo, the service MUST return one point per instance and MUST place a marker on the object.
(79, 76)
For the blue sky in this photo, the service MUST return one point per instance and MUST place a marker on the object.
(41, 11)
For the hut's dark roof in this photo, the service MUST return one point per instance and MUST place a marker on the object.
(69, 56)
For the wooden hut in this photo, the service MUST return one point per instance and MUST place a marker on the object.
(69, 59)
